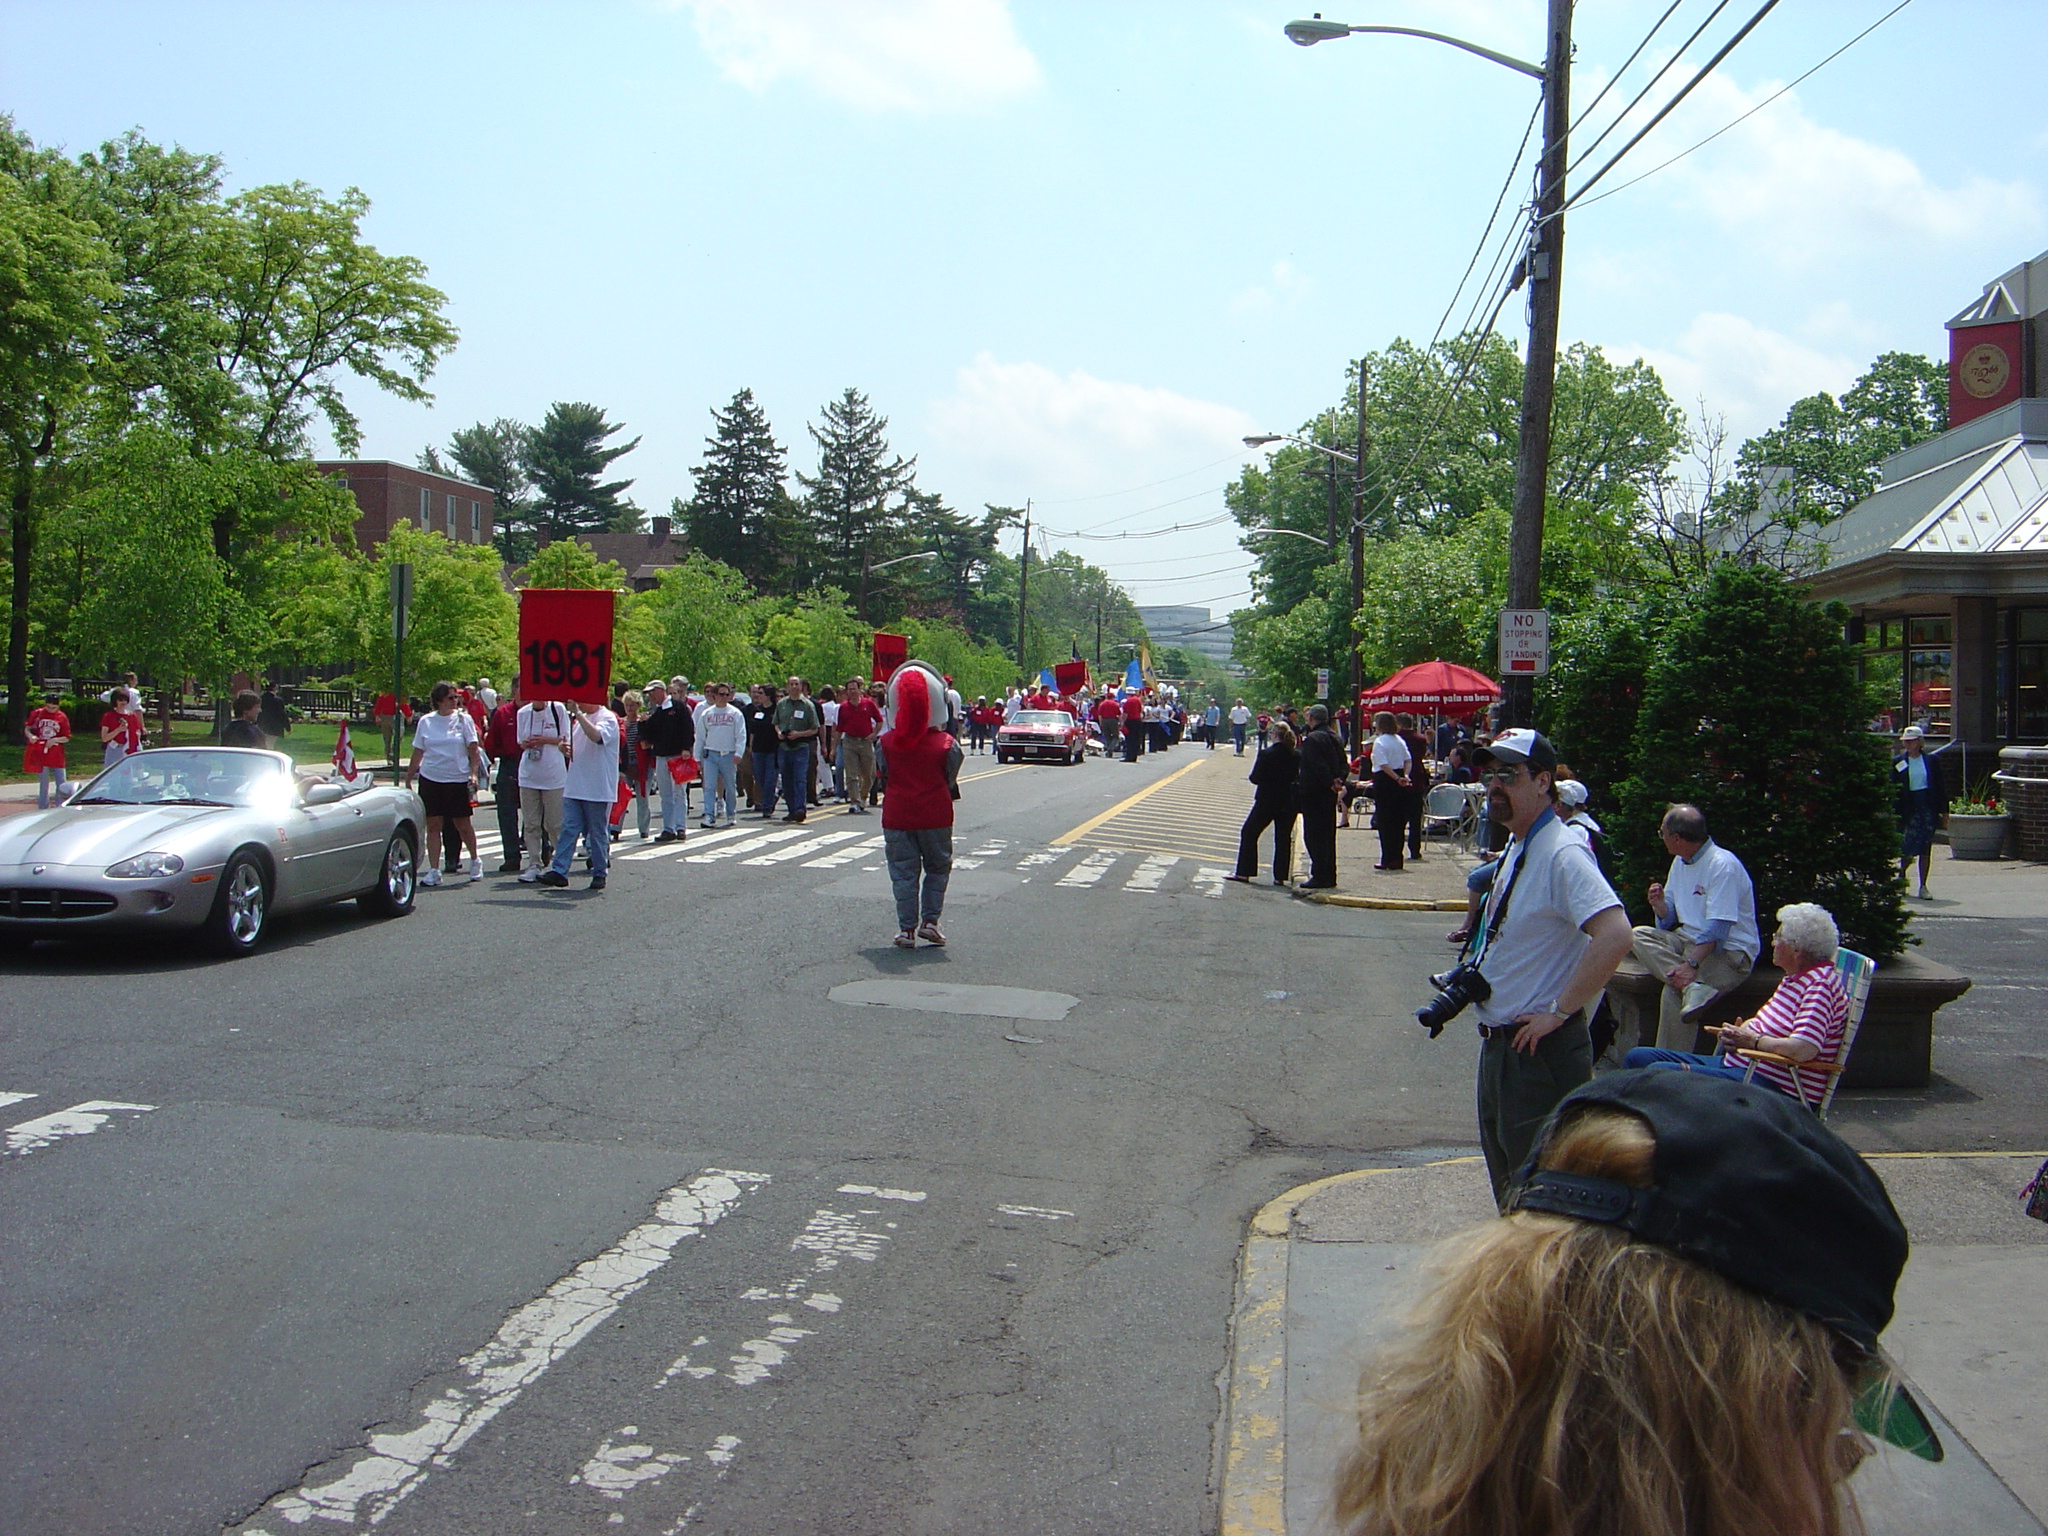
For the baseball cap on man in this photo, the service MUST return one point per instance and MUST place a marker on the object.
(1520, 745)
(1571, 792)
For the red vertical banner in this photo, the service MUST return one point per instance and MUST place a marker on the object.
(1986, 369)
(1069, 676)
(565, 644)
(891, 651)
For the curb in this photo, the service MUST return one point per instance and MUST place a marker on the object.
(1382, 903)
(1252, 1487)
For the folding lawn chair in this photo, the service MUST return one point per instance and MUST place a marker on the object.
(1857, 973)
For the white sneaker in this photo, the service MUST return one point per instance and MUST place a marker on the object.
(528, 876)
(430, 877)
(476, 870)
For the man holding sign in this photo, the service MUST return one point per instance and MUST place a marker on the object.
(565, 657)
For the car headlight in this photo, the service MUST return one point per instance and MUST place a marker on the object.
(146, 866)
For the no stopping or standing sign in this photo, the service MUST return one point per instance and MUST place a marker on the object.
(565, 644)
(1524, 642)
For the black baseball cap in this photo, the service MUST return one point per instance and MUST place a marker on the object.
(1748, 1183)
(1520, 745)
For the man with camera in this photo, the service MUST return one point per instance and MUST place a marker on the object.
(1549, 935)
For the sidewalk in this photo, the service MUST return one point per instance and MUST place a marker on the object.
(1328, 1268)
(1433, 883)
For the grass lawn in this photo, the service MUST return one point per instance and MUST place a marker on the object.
(310, 742)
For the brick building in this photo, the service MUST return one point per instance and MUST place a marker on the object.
(644, 555)
(388, 494)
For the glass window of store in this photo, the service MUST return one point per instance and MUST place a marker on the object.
(2023, 676)
(1930, 665)
(1882, 667)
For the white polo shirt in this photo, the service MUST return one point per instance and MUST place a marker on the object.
(1391, 753)
(1711, 886)
(1541, 942)
(594, 765)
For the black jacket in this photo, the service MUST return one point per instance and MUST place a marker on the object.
(1322, 762)
(1936, 784)
(1272, 776)
(669, 731)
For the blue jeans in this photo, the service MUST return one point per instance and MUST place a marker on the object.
(675, 798)
(590, 820)
(793, 768)
(1237, 737)
(721, 784)
(1685, 1061)
(928, 852)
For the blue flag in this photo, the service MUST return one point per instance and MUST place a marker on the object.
(1045, 679)
(1134, 675)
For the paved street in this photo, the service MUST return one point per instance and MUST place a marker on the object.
(567, 1212)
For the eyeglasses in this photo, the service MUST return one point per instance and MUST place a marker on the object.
(1500, 775)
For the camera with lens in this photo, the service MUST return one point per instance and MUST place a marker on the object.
(1456, 990)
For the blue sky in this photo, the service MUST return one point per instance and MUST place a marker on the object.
(1073, 251)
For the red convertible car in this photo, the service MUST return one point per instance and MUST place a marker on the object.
(1052, 734)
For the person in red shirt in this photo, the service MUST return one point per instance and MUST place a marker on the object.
(917, 805)
(48, 729)
(1109, 719)
(501, 741)
(121, 728)
(859, 718)
(1134, 726)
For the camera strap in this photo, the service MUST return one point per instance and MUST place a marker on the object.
(1491, 921)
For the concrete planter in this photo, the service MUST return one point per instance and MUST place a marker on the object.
(1976, 837)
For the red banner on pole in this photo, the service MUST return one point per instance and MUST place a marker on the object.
(565, 644)
(1069, 676)
(891, 651)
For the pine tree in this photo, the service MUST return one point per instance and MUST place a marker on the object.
(733, 516)
(564, 457)
(1752, 711)
(848, 499)
(491, 454)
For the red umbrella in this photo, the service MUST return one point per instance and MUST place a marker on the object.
(1441, 687)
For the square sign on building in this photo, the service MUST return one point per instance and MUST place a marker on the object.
(1524, 642)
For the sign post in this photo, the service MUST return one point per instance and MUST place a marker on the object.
(401, 621)
(1524, 642)
(1322, 682)
(565, 644)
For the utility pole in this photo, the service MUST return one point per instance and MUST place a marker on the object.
(1098, 634)
(1544, 261)
(1023, 583)
(1356, 670)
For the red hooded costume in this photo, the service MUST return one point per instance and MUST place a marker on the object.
(918, 796)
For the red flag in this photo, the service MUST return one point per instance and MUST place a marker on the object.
(344, 755)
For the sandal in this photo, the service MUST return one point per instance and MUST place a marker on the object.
(907, 939)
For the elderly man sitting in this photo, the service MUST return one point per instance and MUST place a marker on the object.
(1705, 941)
(1804, 1019)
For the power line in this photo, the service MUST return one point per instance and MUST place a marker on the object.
(1752, 112)
(1151, 533)
(1615, 79)
(1637, 100)
(1666, 110)
(1071, 501)
(1157, 506)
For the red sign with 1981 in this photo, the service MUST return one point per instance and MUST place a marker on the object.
(565, 644)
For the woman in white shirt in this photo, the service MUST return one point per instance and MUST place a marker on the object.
(447, 760)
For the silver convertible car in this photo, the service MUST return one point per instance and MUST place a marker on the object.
(218, 839)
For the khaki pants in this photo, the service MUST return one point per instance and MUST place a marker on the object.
(1659, 951)
(540, 814)
(859, 755)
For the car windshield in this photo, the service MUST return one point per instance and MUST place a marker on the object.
(1051, 717)
(189, 777)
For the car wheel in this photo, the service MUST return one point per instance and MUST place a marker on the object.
(398, 878)
(241, 912)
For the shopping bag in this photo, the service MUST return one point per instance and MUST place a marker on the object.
(619, 805)
(683, 769)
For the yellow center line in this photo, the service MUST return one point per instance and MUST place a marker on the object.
(1123, 805)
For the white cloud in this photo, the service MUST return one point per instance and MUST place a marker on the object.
(1743, 371)
(881, 55)
(1807, 193)
(1026, 430)
(1283, 287)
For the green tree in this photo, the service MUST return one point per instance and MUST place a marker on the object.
(1752, 711)
(463, 621)
(817, 637)
(740, 503)
(571, 563)
(848, 502)
(704, 621)
(493, 454)
(55, 287)
(566, 457)
(1593, 695)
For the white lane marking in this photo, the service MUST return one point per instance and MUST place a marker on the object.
(989, 849)
(798, 850)
(615, 1470)
(758, 1358)
(1092, 868)
(1042, 1212)
(834, 1235)
(1146, 876)
(859, 850)
(968, 863)
(753, 843)
(680, 1366)
(79, 1120)
(955, 997)
(1209, 881)
(1043, 856)
(720, 1454)
(912, 1195)
(13, 1098)
(530, 1339)
(696, 842)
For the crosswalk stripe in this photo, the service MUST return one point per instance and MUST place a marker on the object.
(1092, 868)
(1209, 881)
(79, 1120)
(13, 1098)
(798, 850)
(859, 850)
(696, 842)
(1147, 875)
(757, 841)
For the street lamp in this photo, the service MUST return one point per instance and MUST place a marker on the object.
(866, 569)
(1543, 265)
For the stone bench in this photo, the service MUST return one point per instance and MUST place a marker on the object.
(1894, 1048)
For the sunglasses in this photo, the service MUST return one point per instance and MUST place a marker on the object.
(1500, 775)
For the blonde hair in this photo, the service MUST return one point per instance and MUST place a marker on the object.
(1566, 1379)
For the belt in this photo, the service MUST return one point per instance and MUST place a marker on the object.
(1492, 1031)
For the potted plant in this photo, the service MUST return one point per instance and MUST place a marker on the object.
(1976, 824)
